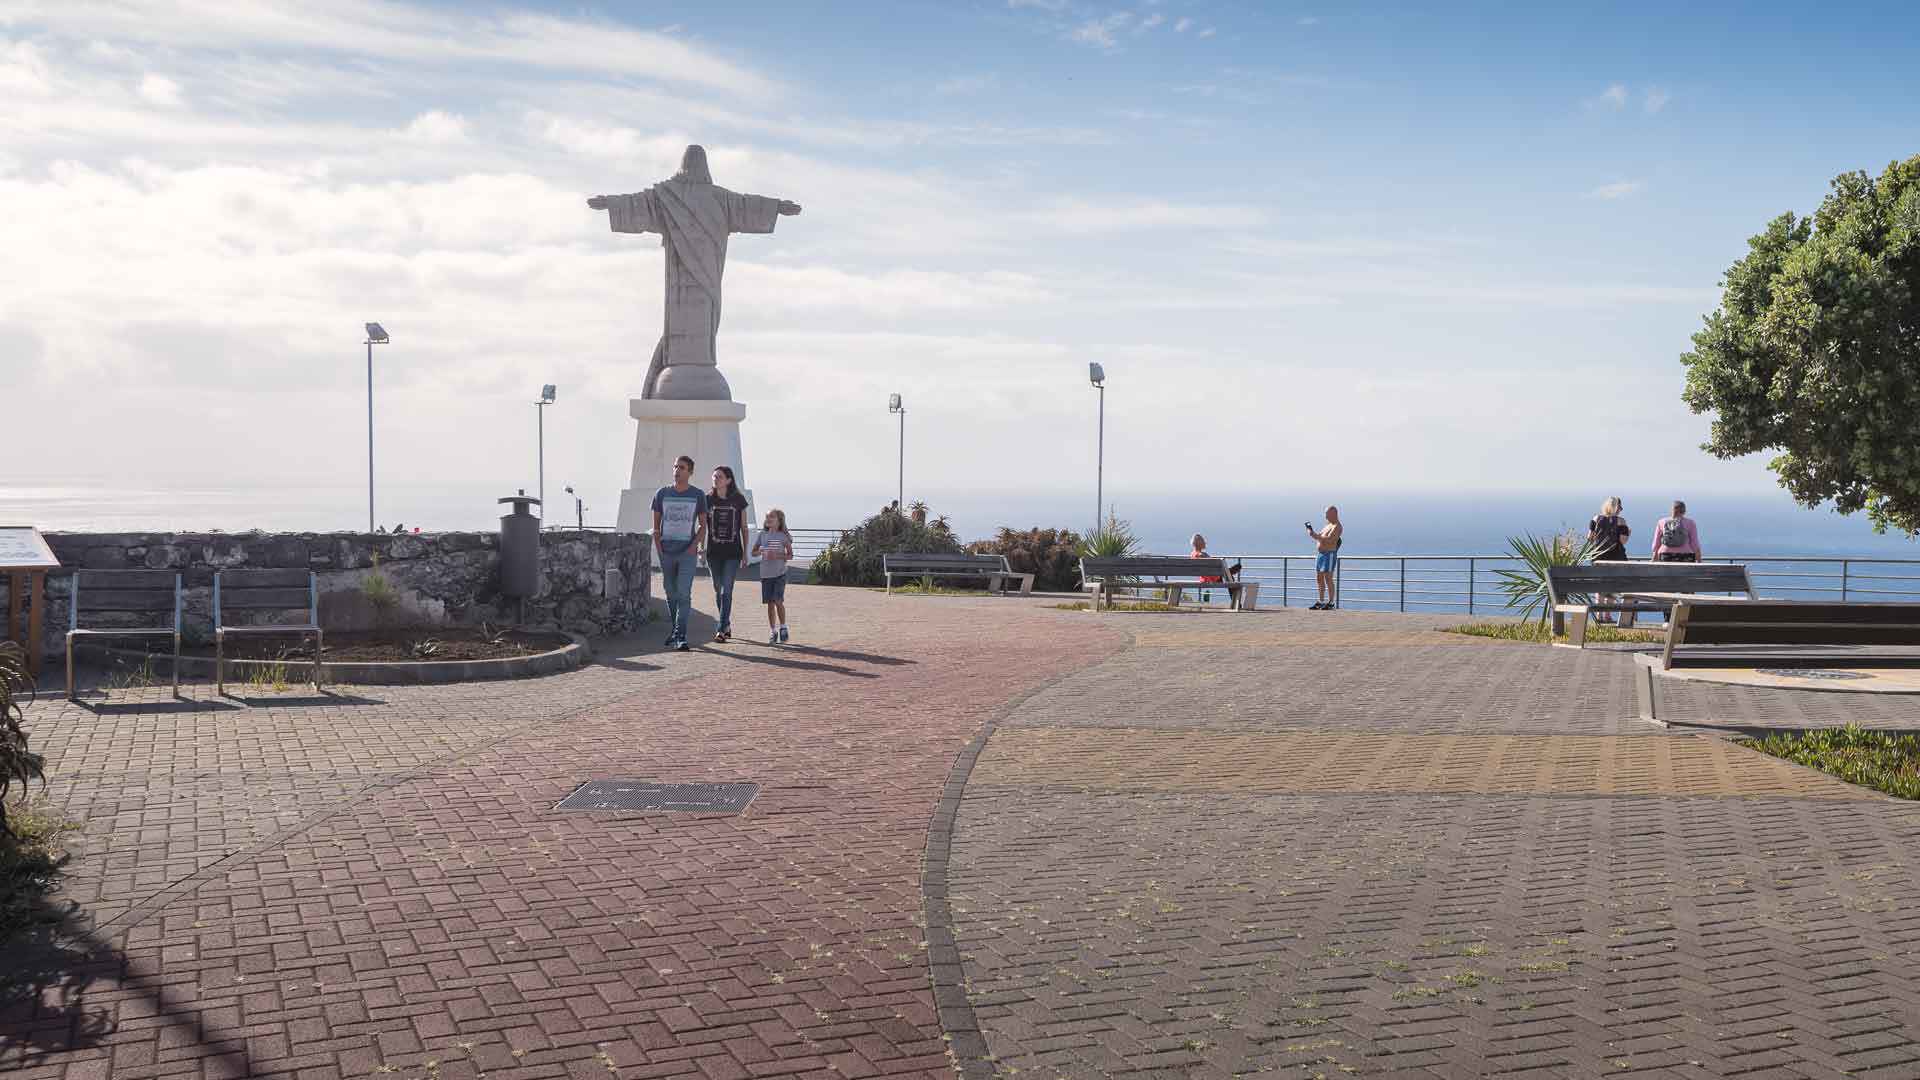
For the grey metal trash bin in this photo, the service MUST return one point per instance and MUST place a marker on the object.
(520, 548)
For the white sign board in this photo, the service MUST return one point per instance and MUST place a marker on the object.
(23, 548)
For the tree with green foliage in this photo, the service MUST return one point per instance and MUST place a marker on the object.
(1815, 350)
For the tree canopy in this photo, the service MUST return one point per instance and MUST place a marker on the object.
(1815, 350)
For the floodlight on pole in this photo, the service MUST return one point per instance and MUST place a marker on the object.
(894, 405)
(579, 512)
(1097, 375)
(376, 335)
(540, 410)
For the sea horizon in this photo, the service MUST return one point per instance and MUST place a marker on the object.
(1236, 522)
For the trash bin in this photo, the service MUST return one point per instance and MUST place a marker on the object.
(520, 548)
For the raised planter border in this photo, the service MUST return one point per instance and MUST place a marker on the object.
(376, 672)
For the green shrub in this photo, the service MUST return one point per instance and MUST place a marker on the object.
(18, 763)
(854, 558)
(1526, 588)
(1052, 556)
(1114, 539)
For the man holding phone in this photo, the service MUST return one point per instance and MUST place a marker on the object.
(1326, 561)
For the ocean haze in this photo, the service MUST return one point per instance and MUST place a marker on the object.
(1233, 520)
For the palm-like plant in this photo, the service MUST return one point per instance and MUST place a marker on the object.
(1526, 587)
(18, 764)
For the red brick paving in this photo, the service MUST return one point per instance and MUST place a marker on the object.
(428, 912)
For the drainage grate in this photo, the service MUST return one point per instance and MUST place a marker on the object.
(671, 798)
(1811, 673)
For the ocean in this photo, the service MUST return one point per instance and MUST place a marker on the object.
(1234, 522)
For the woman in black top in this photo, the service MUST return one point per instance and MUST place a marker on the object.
(726, 543)
(1607, 533)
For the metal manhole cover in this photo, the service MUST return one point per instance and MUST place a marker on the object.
(1811, 673)
(670, 798)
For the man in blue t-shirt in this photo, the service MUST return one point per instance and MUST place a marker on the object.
(679, 529)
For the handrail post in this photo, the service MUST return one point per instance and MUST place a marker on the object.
(1843, 581)
(1403, 584)
(1283, 580)
(1469, 586)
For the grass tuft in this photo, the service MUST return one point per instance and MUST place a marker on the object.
(1881, 760)
(30, 860)
(1540, 633)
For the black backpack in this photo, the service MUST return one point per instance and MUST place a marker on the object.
(1673, 532)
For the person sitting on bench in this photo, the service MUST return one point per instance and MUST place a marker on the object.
(1676, 539)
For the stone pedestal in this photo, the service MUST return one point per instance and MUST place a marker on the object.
(706, 431)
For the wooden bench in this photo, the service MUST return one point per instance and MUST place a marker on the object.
(992, 567)
(1727, 620)
(1171, 572)
(1574, 591)
(244, 592)
(153, 595)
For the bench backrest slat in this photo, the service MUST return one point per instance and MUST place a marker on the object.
(1152, 566)
(1619, 577)
(1788, 622)
(142, 591)
(263, 590)
(897, 562)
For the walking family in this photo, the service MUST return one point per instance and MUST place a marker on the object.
(689, 523)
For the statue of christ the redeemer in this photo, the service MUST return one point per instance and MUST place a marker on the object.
(694, 216)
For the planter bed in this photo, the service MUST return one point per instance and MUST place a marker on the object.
(376, 659)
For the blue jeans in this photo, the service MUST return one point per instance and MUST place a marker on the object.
(676, 580)
(724, 570)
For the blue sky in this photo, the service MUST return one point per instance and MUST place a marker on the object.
(1382, 247)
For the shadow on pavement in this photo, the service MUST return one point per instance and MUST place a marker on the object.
(152, 708)
(50, 970)
(324, 697)
(776, 659)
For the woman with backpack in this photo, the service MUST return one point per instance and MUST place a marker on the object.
(1676, 539)
(1607, 534)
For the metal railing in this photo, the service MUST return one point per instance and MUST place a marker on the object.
(1470, 583)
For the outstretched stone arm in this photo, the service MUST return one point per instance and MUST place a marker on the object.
(628, 213)
(757, 213)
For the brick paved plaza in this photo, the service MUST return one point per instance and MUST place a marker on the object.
(990, 835)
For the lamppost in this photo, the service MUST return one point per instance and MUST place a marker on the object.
(579, 512)
(375, 336)
(540, 410)
(894, 406)
(1097, 375)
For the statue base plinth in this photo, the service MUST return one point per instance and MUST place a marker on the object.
(706, 431)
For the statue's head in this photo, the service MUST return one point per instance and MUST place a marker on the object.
(693, 166)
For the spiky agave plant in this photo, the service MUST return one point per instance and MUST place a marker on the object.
(1526, 587)
(18, 763)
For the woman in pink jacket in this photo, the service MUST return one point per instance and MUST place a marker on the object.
(1675, 539)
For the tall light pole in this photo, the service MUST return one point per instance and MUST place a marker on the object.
(579, 512)
(540, 410)
(375, 336)
(1097, 375)
(894, 406)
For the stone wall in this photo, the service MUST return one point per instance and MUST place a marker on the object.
(593, 583)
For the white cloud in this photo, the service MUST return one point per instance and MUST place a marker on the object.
(1613, 97)
(1307, 20)
(1619, 189)
(438, 126)
(1205, 33)
(1150, 22)
(1656, 99)
(1101, 32)
(1083, 216)
(160, 90)
(1181, 24)
(393, 31)
(1054, 6)
(23, 69)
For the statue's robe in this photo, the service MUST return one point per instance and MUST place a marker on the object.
(694, 220)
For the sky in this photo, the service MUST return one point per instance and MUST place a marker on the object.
(1317, 248)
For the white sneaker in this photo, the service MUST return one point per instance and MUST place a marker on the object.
(773, 638)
